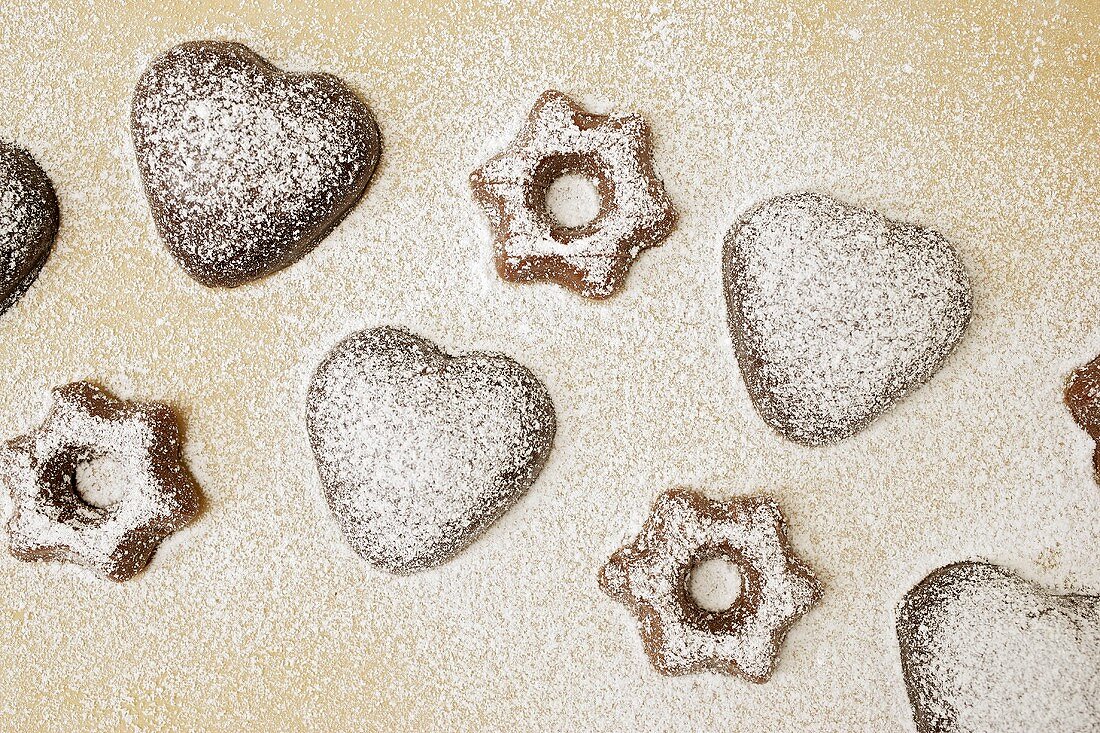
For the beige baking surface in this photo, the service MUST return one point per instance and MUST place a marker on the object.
(980, 119)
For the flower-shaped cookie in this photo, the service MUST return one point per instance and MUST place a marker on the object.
(561, 139)
(51, 520)
(652, 574)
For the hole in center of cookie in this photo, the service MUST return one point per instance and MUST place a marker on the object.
(715, 584)
(100, 482)
(573, 200)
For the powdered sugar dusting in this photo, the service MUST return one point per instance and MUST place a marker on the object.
(573, 200)
(837, 311)
(258, 616)
(246, 167)
(420, 452)
(985, 651)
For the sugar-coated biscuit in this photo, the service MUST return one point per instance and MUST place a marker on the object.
(985, 651)
(28, 222)
(246, 167)
(50, 518)
(558, 139)
(836, 312)
(1083, 399)
(419, 452)
(651, 574)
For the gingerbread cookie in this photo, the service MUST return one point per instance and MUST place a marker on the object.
(28, 222)
(836, 312)
(983, 650)
(1083, 399)
(651, 577)
(247, 167)
(419, 452)
(560, 139)
(52, 517)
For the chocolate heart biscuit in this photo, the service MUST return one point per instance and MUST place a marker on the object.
(246, 167)
(837, 311)
(419, 452)
(28, 222)
(983, 650)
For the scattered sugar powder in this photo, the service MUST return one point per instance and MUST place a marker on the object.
(837, 311)
(985, 651)
(259, 616)
(573, 200)
(420, 452)
(101, 482)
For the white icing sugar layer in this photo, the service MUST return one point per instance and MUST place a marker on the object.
(985, 651)
(420, 452)
(837, 311)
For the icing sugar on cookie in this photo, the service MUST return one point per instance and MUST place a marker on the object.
(836, 312)
(52, 515)
(28, 222)
(420, 452)
(985, 651)
(561, 139)
(247, 167)
(651, 577)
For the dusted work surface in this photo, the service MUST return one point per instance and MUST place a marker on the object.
(980, 121)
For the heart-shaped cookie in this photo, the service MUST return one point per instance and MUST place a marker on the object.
(28, 222)
(983, 650)
(419, 452)
(836, 312)
(246, 167)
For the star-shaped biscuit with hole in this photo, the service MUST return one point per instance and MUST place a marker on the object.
(651, 576)
(561, 139)
(53, 518)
